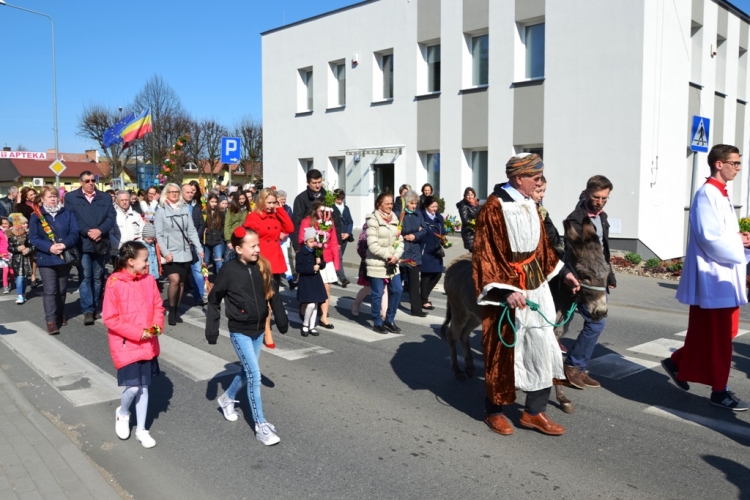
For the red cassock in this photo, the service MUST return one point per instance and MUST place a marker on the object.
(269, 227)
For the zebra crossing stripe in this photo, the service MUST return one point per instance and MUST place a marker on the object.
(192, 362)
(722, 426)
(615, 367)
(660, 348)
(739, 333)
(77, 379)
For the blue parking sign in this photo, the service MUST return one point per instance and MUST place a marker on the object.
(230, 150)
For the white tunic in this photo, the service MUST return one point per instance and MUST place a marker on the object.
(713, 275)
(537, 357)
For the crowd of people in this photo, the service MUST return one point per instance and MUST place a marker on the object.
(252, 239)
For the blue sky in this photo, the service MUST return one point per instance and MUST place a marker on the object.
(208, 51)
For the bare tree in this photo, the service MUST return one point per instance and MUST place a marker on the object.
(168, 118)
(212, 134)
(21, 147)
(195, 150)
(251, 132)
(92, 123)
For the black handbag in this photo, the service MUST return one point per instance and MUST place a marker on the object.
(101, 247)
(70, 256)
(438, 252)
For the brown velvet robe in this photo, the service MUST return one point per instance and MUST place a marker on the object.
(491, 264)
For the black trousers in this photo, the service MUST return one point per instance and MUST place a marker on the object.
(415, 296)
(536, 402)
(429, 280)
(340, 273)
(292, 259)
(277, 306)
(55, 282)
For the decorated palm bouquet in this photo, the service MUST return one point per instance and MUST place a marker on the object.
(745, 225)
(452, 224)
(321, 243)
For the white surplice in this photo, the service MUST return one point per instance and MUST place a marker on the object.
(714, 272)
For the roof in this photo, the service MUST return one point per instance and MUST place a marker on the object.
(35, 168)
(319, 16)
(734, 9)
(8, 172)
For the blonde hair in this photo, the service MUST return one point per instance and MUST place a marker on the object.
(265, 270)
(265, 193)
(43, 191)
(163, 199)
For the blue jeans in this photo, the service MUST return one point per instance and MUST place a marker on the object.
(248, 350)
(199, 285)
(580, 354)
(215, 251)
(376, 298)
(20, 285)
(90, 286)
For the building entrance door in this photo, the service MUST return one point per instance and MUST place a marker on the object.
(384, 179)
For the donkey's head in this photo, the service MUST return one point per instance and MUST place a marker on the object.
(585, 255)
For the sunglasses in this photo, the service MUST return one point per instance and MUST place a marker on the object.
(87, 181)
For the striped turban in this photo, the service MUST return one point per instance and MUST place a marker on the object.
(524, 164)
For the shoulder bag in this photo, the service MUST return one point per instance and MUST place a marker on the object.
(193, 251)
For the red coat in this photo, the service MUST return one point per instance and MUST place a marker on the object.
(331, 253)
(132, 303)
(269, 227)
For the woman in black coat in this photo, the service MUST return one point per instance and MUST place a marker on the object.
(432, 264)
(413, 230)
(468, 209)
(311, 291)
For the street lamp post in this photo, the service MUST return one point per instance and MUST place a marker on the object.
(54, 75)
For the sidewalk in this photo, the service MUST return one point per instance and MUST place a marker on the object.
(37, 460)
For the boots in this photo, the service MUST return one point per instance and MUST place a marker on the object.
(172, 316)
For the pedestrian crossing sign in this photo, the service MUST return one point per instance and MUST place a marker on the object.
(699, 134)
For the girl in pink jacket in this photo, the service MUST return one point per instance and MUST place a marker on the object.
(4, 255)
(133, 313)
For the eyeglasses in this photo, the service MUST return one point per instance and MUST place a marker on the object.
(173, 192)
(87, 181)
(735, 164)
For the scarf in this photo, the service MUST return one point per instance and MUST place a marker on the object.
(52, 211)
(386, 217)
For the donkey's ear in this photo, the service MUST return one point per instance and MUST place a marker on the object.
(588, 230)
(570, 232)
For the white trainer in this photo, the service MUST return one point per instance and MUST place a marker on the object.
(145, 438)
(266, 434)
(122, 424)
(227, 406)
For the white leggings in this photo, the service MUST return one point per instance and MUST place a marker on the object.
(311, 313)
(140, 394)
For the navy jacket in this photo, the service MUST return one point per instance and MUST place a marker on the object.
(198, 222)
(65, 229)
(430, 243)
(99, 214)
(347, 223)
(413, 223)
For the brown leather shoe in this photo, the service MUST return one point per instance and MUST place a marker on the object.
(62, 321)
(542, 423)
(52, 328)
(574, 375)
(88, 319)
(590, 382)
(498, 423)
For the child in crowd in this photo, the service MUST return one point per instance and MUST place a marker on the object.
(245, 283)
(4, 254)
(134, 316)
(148, 235)
(20, 250)
(311, 291)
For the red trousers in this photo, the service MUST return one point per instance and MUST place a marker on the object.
(706, 357)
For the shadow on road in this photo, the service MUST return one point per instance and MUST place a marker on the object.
(213, 392)
(159, 395)
(735, 473)
(741, 358)
(671, 286)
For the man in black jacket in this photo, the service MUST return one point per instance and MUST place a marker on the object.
(196, 212)
(95, 215)
(591, 206)
(7, 203)
(304, 201)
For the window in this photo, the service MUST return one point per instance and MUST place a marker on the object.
(340, 166)
(535, 150)
(306, 164)
(535, 51)
(309, 86)
(339, 73)
(387, 66)
(480, 52)
(433, 68)
(433, 172)
(479, 173)
(191, 167)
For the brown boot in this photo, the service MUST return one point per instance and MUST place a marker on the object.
(52, 328)
(590, 382)
(542, 423)
(498, 423)
(574, 376)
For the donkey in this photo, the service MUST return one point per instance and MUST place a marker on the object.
(463, 314)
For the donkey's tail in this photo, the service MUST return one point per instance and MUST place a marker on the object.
(444, 327)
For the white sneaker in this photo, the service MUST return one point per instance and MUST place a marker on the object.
(6, 290)
(122, 424)
(20, 299)
(145, 438)
(227, 406)
(266, 434)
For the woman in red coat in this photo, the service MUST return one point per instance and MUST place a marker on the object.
(270, 223)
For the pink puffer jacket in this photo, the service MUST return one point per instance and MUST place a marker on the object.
(132, 303)
(3, 245)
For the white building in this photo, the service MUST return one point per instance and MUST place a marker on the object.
(387, 92)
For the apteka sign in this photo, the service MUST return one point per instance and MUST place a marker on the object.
(23, 155)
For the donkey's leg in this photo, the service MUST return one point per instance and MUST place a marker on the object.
(468, 355)
(451, 338)
(566, 405)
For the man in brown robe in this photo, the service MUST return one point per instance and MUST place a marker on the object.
(512, 261)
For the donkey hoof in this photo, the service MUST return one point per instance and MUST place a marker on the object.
(567, 407)
(469, 372)
(461, 376)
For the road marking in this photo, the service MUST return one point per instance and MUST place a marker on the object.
(348, 328)
(739, 333)
(287, 347)
(615, 367)
(192, 362)
(4, 298)
(77, 379)
(736, 430)
(661, 348)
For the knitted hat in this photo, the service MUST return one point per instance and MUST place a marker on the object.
(149, 231)
(310, 233)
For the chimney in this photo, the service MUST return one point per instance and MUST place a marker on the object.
(92, 155)
(6, 148)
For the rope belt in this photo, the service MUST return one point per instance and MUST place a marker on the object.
(518, 268)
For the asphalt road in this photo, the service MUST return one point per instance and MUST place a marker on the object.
(362, 416)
